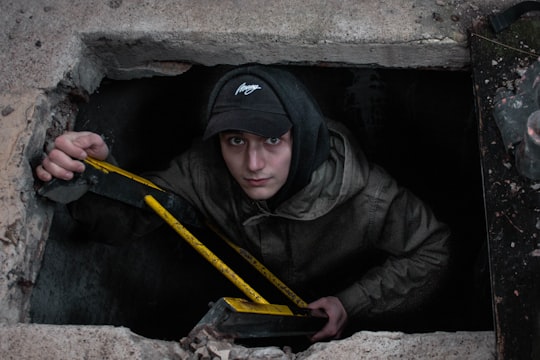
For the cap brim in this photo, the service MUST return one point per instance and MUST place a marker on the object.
(256, 122)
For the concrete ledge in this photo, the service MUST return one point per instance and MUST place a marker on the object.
(32, 341)
(70, 342)
(42, 43)
(396, 345)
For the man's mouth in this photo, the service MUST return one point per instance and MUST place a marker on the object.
(257, 182)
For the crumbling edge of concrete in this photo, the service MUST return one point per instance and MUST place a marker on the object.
(39, 341)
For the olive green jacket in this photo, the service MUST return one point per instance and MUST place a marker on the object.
(352, 232)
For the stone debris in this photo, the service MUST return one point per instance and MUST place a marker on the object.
(203, 344)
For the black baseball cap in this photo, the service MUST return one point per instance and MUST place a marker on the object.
(247, 103)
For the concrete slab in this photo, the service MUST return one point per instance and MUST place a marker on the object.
(33, 341)
(395, 345)
(81, 342)
(47, 39)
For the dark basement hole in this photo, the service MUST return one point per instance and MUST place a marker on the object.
(419, 125)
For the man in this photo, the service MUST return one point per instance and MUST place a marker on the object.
(295, 190)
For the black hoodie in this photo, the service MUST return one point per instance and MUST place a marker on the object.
(309, 131)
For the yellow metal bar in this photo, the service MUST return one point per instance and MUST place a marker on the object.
(242, 305)
(107, 168)
(204, 251)
(291, 295)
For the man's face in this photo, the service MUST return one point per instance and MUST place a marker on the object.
(260, 165)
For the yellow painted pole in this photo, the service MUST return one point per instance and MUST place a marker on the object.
(291, 295)
(107, 168)
(204, 251)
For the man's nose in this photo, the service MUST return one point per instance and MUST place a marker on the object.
(255, 158)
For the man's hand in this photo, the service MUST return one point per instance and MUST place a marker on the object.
(337, 317)
(63, 160)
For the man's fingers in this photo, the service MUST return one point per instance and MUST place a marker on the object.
(93, 144)
(337, 317)
(323, 334)
(48, 170)
(70, 145)
(43, 174)
(81, 144)
(61, 159)
(64, 159)
(59, 165)
(332, 330)
(318, 313)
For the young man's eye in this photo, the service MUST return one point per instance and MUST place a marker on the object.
(273, 141)
(236, 140)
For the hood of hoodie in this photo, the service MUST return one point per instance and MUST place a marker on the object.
(311, 143)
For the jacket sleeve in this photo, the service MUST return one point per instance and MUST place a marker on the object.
(403, 227)
(113, 222)
(110, 221)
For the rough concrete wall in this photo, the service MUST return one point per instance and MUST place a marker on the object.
(63, 48)
(23, 228)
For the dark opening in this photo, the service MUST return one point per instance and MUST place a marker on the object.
(418, 124)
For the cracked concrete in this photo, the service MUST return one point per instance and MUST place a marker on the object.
(107, 342)
(54, 52)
